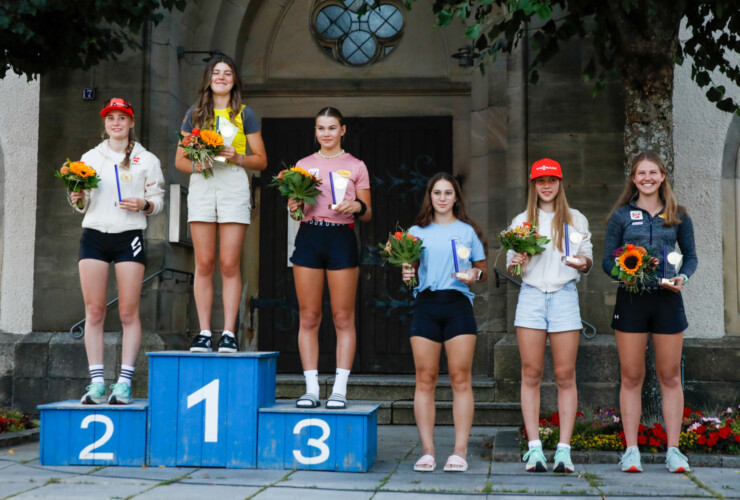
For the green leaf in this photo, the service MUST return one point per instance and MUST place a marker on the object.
(473, 32)
(444, 17)
(543, 10)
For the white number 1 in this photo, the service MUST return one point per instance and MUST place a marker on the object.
(209, 394)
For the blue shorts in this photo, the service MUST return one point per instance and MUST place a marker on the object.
(127, 246)
(550, 311)
(656, 311)
(442, 315)
(325, 246)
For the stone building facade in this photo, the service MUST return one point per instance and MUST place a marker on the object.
(500, 124)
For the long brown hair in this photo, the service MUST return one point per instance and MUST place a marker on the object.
(203, 111)
(562, 212)
(665, 191)
(426, 214)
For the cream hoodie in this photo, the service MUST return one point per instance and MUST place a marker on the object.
(143, 179)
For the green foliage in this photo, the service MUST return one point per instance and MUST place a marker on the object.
(620, 31)
(402, 248)
(14, 420)
(37, 36)
(298, 184)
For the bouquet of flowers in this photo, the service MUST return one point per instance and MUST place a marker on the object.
(202, 146)
(298, 184)
(77, 176)
(634, 266)
(523, 239)
(402, 248)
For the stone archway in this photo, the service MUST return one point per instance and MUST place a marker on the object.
(731, 226)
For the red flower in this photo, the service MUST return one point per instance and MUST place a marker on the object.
(526, 225)
(712, 439)
(701, 429)
(196, 131)
(630, 246)
(580, 414)
(686, 412)
(737, 438)
(724, 432)
(702, 440)
(398, 235)
(654, 442)
(641, 428)
(642, 439)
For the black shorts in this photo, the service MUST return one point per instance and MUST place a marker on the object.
(325, 246)
(655, 311)
(113, 247)
(442, 315)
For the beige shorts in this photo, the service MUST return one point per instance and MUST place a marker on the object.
(223, 197)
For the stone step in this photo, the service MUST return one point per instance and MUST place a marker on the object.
(382, 387)
(402, 412)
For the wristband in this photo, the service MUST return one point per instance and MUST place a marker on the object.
(363, 208)
(685, 278)
(147, 206)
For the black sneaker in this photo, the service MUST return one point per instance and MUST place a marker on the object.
(227, 343)
(201, 343)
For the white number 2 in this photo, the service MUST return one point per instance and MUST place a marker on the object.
(209, 393)
(316, 443)
(86, 454)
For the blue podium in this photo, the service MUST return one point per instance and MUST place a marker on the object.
(204, 407)
(77, 434)
(318, 439)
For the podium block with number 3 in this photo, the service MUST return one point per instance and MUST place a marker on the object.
(204, 407)
(77, 434)
(318, 439)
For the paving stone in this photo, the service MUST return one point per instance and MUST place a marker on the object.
(283, 493)
(542, 484)
(654, 481)
(436, 481)
(197, 492)
(398, 495)
(726, 482)
(7, 489)
(335, 480)
(147, 473)
(236, 477)
(64, 491)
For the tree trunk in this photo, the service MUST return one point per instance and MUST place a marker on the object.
(646, 62)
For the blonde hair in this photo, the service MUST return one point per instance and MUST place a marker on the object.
(560, 218)
(671, 209)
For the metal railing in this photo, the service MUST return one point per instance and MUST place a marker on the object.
(166, 273)
(586, 325)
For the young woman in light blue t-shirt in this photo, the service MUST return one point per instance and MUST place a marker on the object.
(453, 258)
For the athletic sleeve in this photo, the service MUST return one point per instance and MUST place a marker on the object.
(187, 123)
(250, 122)
(154, 187)
(685, 238)
(612, 240)
(586, 249)
(363, 178)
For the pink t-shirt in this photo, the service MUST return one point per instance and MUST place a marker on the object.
(347, 166)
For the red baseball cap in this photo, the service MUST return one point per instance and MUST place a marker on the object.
(544, 167)
(117, 104)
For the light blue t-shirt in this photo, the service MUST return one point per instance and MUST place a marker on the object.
(436, 265)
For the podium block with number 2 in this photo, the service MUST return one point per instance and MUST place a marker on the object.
(204, 407)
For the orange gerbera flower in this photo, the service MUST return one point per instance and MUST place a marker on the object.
(211, 138)
(642, 250)
(79, 168)
(630, 261)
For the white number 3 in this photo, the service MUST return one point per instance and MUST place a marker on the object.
(316, 443)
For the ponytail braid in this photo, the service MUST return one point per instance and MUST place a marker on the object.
(126, 163)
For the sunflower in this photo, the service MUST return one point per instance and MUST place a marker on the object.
(630, 261)
(79, 168)
(301, 171)
(211, 138)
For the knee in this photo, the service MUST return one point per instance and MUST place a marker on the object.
(531, 375)
(344, 320)
(426, 380)
(632, 379)
(230, 268)
(669, 379)
(204, 266)
(461, 380)
(128, 315)
(310, 319)
(565, 378)
(94, 313)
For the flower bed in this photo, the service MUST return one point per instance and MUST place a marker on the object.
(13, 421)
(602, 431)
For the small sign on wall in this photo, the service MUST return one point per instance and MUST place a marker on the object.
(88, 94)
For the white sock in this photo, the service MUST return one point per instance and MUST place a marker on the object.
(563, 446)
(96, 374)
(205, 333)
(312, 382)
(340, 382)
(534, 444)
(127, 373)
(230, 334)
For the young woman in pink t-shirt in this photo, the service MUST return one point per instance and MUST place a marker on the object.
(326, 246)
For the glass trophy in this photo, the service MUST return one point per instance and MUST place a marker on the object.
(573, 241)
(338, 189)
(228, 131)
(459, 252)
(672, 258)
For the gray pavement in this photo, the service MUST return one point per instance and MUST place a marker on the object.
(391, 478)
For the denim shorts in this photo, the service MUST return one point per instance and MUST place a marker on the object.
(551, 311)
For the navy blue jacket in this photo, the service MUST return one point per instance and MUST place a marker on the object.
(631, 224)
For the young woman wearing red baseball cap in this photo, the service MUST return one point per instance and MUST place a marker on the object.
(548, 307)
(114, 233)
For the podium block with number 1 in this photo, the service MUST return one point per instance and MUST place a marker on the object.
(204, 407)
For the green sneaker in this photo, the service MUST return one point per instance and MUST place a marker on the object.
(535, 460)
(630, 461)
(563, 463)
(95, 394)
(120, 395)
(675, 461)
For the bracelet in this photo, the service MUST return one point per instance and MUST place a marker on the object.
(363, 208)
(193, 166)
(147, 205)
(685, 278)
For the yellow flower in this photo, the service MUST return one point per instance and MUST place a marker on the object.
(630, 261)
(211, 138)
(79, 168)
(301, 171)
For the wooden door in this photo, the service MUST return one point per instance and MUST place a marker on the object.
(401, 154)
